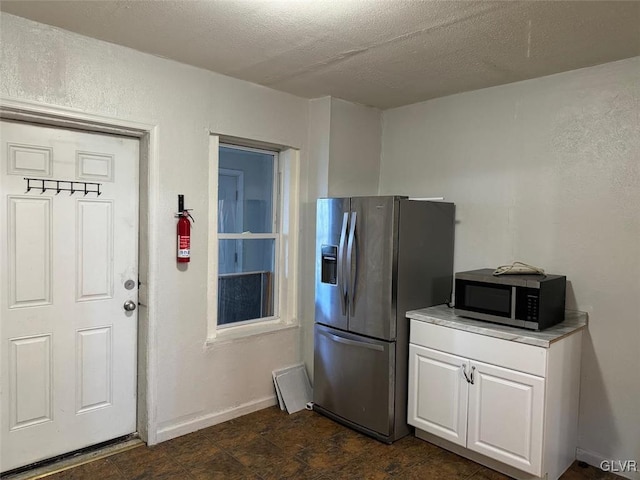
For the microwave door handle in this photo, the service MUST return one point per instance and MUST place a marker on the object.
(353, 269)
(342, 285)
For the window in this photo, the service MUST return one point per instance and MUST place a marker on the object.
(253, 247)
(247, 234)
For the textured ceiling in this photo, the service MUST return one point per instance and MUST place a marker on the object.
(383, 53)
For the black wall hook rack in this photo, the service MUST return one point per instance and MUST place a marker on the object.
(62, 186)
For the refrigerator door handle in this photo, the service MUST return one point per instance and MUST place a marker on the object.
(342, 285)
(355, 343)
(353, 270)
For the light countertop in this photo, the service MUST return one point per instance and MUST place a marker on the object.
(443, 315)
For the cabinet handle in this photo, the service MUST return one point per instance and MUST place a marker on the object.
(464, 372)
(469, 379)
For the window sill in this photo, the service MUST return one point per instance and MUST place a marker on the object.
(248, 332)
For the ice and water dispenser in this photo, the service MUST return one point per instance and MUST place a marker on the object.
(329, 264)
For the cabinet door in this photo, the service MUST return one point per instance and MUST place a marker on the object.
(506, 416)
(438, 393)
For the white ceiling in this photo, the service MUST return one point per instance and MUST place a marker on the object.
(383, 53)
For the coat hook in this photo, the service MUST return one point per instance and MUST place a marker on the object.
(62, 186)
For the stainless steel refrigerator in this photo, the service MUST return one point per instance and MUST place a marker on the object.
(376, 258)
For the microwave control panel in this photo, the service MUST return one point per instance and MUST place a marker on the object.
(532, 307)
(527, 304)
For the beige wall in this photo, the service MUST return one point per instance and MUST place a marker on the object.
(195, 385)
(344, 150)
(547, 171)
(319, 142)
(354, 152)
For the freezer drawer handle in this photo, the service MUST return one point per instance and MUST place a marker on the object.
(355, 343)
(342, 285)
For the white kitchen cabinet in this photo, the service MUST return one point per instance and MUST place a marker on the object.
(499, 415)
(501, 402)
(437, 397)
(505, 416)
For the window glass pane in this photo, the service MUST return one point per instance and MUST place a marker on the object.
(245, 280)
(245, 191)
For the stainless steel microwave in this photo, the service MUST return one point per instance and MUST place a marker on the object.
(535, 302)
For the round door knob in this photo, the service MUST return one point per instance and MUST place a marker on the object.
(129, 306)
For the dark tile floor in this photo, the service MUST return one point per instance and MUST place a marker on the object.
(271, 444)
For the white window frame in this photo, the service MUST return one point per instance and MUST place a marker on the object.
(285, 217)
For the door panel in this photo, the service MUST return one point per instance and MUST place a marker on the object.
(331, 282)
(372, 312)
(30, 384)
(68, 366)
(438, 393)
(94, 270)
(353, 377)
(29, 239)
(506, 416)
(94, 347)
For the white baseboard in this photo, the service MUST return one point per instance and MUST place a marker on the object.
(595, 459)
(204, 421)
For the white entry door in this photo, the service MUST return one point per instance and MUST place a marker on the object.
(68, 265)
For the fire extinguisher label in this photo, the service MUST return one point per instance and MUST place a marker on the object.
(184, 246)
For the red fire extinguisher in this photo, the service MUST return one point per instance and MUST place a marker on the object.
(184, 232)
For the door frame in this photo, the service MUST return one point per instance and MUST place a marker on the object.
(147, 134)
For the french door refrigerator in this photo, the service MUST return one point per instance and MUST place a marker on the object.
(376, 258)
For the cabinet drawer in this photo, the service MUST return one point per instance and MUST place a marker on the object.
(508, 354)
